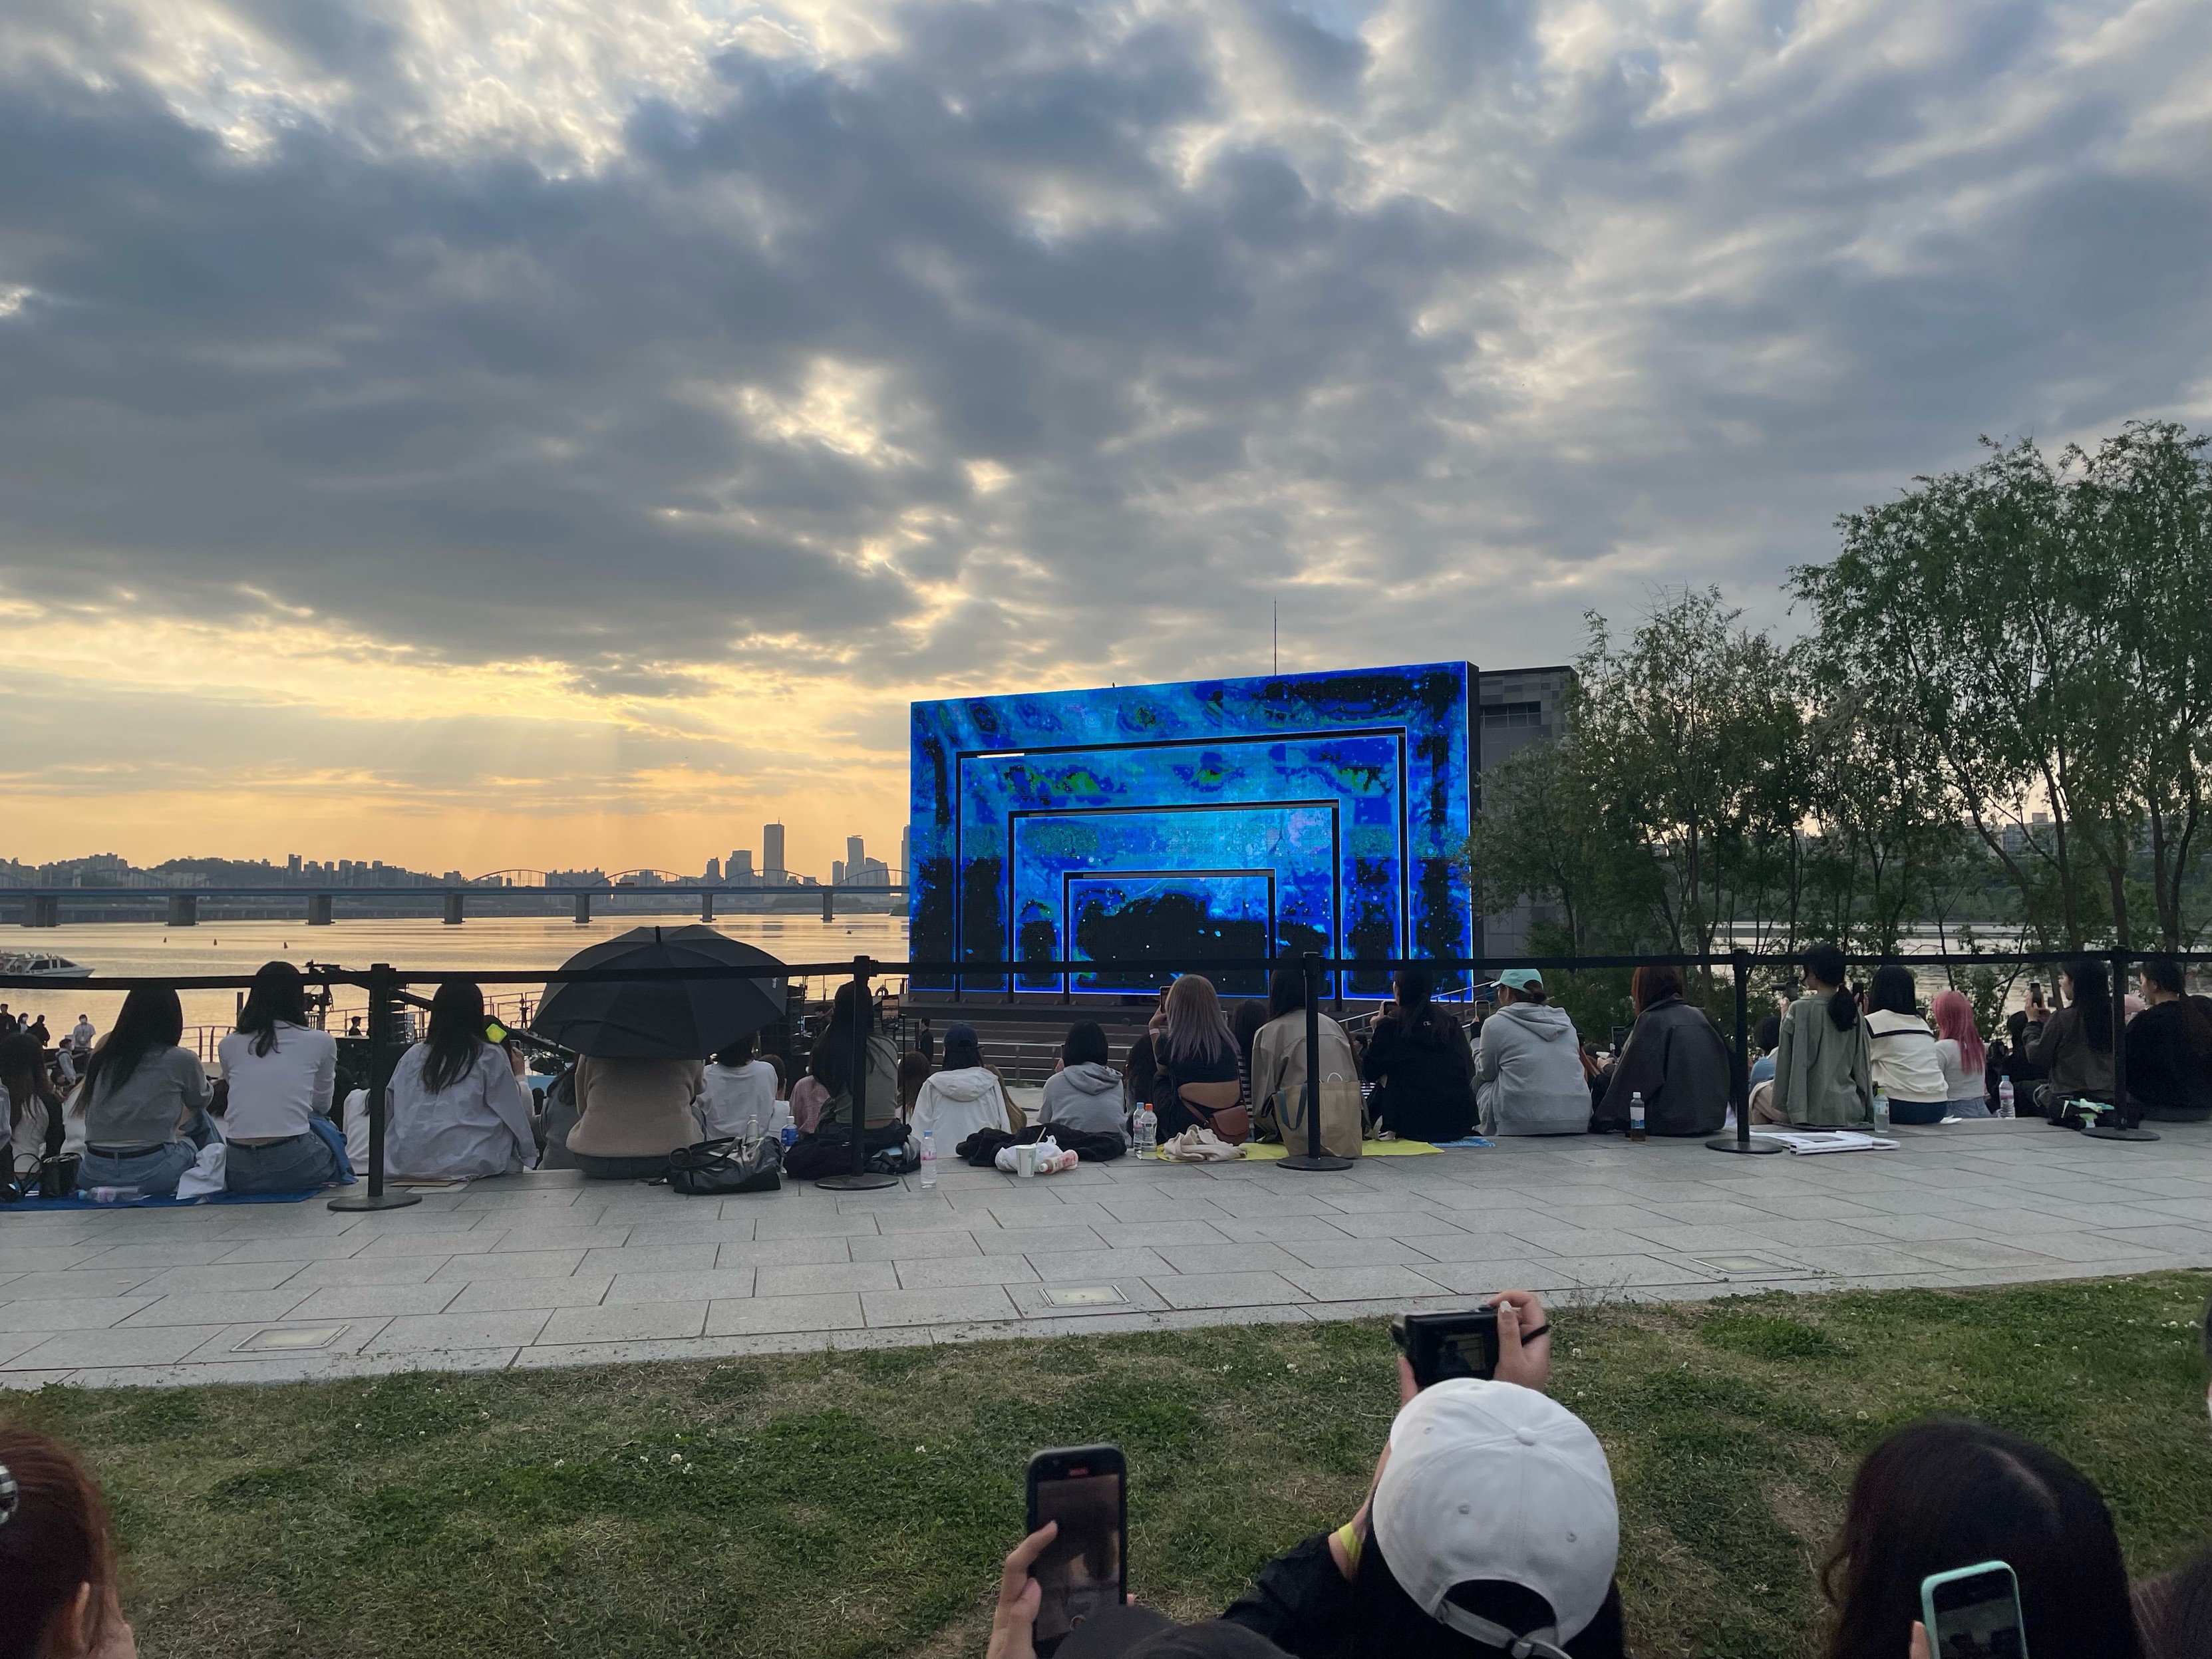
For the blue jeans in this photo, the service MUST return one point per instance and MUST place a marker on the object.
(154, 1174)
(292, 1165)
(1974, 1107)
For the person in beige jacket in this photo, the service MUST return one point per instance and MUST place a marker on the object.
(1279, 1047)
(632, 1114)
(1823, 1069)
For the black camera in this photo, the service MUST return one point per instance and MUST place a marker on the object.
(1439, 1345)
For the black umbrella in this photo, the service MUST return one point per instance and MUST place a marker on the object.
(667, 1019)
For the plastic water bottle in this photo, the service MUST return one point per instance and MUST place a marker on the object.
(928, 1160)
(1880, 1110)
(115, 1194)
(1146, 1123)
(2005, 1098)
(1636, 1115)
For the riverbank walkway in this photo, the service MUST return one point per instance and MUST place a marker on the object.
(549, 1269)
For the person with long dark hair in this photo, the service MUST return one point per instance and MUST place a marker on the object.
(739, 1094)
(58, 1578)
(832, 1063)
(30, 1105)
(2076, 1045)
(143, 1099)
(279, 1073)
(1823, 1068)
(2170, 1048)
(457, 1108)
(1421, 1065)
(1906, 1065)
(1674, 1058)
(1948, 1493)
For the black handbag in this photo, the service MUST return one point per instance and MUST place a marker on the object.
(718, 1169)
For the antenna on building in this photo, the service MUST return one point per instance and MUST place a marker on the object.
(1278, 635)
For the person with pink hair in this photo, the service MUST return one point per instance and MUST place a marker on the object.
(1959, 1050)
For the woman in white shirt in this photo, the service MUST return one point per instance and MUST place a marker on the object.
(1905, 1066)
(278, 1072)
(741, 1099)
(458, 1108)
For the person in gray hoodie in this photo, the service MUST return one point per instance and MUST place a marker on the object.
(1084, 1093)
(1529, 1074)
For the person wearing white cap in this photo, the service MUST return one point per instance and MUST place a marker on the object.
(1528, 1077)
(1492, 1530)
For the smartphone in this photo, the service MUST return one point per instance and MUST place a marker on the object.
(1619, 1038)
(494, 1032)
(1445, 1345)
(1973, 1613)
(1084, 1571)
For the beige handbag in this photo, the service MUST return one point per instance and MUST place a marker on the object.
(1342, 1117)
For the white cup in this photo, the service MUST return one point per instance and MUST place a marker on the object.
(1026, 1162)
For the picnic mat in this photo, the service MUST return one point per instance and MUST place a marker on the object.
(1269, 1149)
(78, 1201)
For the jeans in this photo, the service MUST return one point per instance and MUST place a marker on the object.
(154, 1174)
(295, 1164)
(1918, 1111)
(1975, 1108)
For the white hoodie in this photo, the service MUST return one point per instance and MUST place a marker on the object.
(953, 1105)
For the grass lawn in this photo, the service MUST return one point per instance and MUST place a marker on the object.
(857, 1503)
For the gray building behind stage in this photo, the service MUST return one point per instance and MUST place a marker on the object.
(1518, 707)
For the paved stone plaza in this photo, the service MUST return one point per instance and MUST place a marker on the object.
(547, 1269)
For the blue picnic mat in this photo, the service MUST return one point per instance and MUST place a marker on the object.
(78, 1201)
(1465, 1140)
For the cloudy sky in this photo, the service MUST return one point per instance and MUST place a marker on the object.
(526, 432)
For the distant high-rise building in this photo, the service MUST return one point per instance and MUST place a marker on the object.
(906, 832)
(738, 872)
(714, 870)
(856, 852)
(836, 873)
(292, 864)
(772, 853)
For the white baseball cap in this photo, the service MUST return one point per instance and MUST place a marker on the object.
(1490, 1481)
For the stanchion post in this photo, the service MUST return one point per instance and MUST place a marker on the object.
(381, 1060)
(1313, 1157)
(2123, 1125)
(860, 1178)
(1740, 1069)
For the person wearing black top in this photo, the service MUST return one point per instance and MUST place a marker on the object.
(1199, 1075)
(1419, 1060)
(2170, 1048)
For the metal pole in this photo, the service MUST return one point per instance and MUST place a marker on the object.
(381, 1062)
(2121, 1125)
(1313, 1157)
(861, 1178)
(1740, 1069)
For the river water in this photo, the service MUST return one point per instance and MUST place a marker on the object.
(504, 944)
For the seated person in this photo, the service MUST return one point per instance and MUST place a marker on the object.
(1419, 1060)
(631, 1115)
(457, 1108)
(965, 1097)
(1492, 1520)
(831, 1066)
(1766, 1040)
(1279, 1051)
(2170, 1048)
(279, 1074)
(1901, 1047)
(143, 1100)
(1823, 1075)
(1084, 1092)
(1528, 1077)
(58, 1568)
(740, 1095)
(2076, 1048)
(1674, 1058)
(1959, 1052)
(913, 1070)
(1199, 1081)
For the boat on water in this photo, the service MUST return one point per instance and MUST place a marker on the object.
(43, 966)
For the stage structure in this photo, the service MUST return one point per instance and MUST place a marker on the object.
(1242, 818)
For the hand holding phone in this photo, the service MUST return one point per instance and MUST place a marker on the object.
(1083, 1570)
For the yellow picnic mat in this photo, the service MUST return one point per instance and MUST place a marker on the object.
(1274, 1148)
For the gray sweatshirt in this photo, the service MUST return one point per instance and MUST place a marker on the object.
(1086, 1097)
(1529, 1077)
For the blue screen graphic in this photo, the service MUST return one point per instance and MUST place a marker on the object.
(1220, 818)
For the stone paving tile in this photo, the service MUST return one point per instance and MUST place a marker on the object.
(1504, 1274)
(635, 1322)
(1285, 1231)
(226, 1346)
(1916, 1227)
(515, 1295)
(1137, 1297)
(792, 1252)
(708, 1286)
(220, 1308)
(71, 1284)
(762, 1314)
(426, 1333)
(937, 1306)
(2189, 1246)
(810, 1279)
(371, 1301)
(1034, 1241)
(1224, 1290)
(827, 1224)
(1353, 1252)
(153, 1345)
(521, 1264)
(1219, 1258)
(1361, 1284)
(949, 1272)
(1095, 1267)
(651, 1259)
(1413, 1224)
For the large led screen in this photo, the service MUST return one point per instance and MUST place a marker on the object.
(1220, 818)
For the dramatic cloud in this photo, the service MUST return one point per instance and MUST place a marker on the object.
(603, 411)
